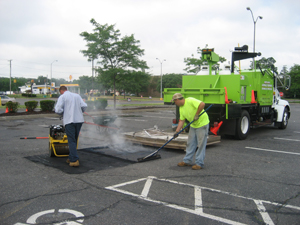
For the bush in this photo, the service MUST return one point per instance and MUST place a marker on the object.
(12, 106)
(100, 103)
(28, 95)
(31, 105)
(55, 95)
(97, 104)
(47, 105)
(90, 105)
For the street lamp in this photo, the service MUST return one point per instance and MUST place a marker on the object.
(51, 71)
(161, 62)
(254, 21)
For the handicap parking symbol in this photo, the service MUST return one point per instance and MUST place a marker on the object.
(33, 219)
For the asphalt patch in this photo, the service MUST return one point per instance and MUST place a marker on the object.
(90, 160)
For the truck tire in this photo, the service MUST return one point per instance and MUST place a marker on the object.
(285, 119)
(242, 126)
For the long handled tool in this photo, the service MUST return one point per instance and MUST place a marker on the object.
(154, 155)
(34, 138)
(99, 125)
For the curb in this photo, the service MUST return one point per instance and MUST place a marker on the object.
(107, 111)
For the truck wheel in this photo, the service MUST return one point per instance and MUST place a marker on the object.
(285, 119)
(242, 126)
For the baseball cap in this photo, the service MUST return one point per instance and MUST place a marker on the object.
(177, 96)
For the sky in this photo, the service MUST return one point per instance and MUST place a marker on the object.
(36, 33)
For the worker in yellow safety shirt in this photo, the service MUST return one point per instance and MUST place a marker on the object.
(190, 109)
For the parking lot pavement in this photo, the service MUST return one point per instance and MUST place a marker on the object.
(254, 181)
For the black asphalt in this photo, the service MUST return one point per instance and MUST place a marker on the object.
(254, 181)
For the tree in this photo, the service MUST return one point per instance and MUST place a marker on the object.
(116, 55)
(85, 82)
(295, 77)
(194, 64)
(170, 81)
(41, 80)
(265, 63)
(135, 82)
(20, 81)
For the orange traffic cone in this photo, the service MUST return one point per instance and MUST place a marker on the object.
(6, 111)
(253, 97)
(215, 129)
(226, 97)
(26, 110)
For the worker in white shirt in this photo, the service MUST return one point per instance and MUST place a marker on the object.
(71, 106)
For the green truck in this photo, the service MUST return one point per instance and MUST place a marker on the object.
(241, 99)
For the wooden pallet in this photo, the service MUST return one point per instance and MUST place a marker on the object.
(157, 139)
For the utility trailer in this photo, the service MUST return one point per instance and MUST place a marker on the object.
(241, 99)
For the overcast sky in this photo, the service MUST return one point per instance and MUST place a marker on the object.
(35, 33)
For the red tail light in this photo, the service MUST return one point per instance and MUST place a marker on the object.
(174, 121)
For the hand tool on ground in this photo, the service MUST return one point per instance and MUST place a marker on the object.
(103, 123)
(154, 155)
(34, 138)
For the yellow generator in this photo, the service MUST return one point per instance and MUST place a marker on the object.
(58, 141)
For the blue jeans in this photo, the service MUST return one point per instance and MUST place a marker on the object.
(72, 131)
(197, 138)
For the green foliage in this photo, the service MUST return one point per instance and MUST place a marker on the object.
(193, 65)
(265, 63)
(97, 104)
(47, 105)
(12, 106)
(4, 83)
(115, 55)
(100, 103)
(29, 95)
(55, 95)
(295, 77)
(170, 81)
(134, 82)
(31, 105)
(85, 82)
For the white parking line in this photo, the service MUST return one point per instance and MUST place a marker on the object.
(160, 117)
(286, 139)
(147, 186)
(262, 210)
(133, 119)
(268, 150)
(198, 199)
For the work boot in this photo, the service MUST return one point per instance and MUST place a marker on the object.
(181, 164)
(68, 161)
(74, 163)
(196, 167)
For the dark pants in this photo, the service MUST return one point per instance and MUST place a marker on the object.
(72, 131)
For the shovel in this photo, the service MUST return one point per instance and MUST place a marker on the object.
(154, 155)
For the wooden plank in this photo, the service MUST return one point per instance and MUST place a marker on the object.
(157, 139)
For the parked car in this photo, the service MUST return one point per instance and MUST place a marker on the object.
(5, 99)
(2, 93)
(132, 94)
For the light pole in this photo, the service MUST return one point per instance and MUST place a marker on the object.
(161, 62)
(10, 76)
(254, 21)
(51, 71)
